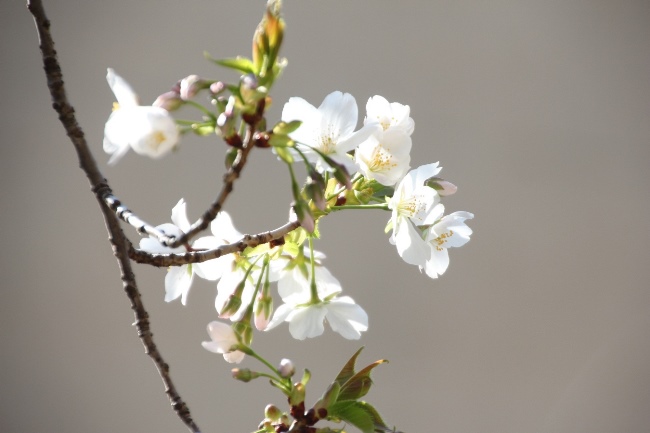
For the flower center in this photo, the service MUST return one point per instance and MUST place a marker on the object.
(410, 207)
(156, 139)
(441, 240)
(327, 141)
(382, 160)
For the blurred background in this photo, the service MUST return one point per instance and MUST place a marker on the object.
(538, 110)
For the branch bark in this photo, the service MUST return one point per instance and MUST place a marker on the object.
(246, 241)
(101, 190)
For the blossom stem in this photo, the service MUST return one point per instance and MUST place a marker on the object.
(278, 377)
(341, 189)
(360, 206)
(314, 289)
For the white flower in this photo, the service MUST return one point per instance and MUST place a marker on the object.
(179, 278)
(413, 204)
(148, 130)
(389, 115)
(385, 157)
(231, 269)
(307, 320)
(305, 316)
(223, 341)
(328, 128)
(449, 232)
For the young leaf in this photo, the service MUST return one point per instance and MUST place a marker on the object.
(358, 385)
(358, 413)
(348, 369)
(241, 64)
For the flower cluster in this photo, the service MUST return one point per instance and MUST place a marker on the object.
(243, 288)
(379, 153)
(377, 159)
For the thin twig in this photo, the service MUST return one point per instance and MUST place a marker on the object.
(246, 241)
(101, 189)
(204, 221)
(228, 180)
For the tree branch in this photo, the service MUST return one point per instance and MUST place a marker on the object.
(246, 241)
(228, 180)
(101, 190)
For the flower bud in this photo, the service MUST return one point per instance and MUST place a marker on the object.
(297, 394)
(443, 187)
(191, 85)
(244, 374)
(232, 305)
(286, 368)
(263, 311)
(244, 329)
(272, 412)
(217, 87)
(304, 215)
(170, 101)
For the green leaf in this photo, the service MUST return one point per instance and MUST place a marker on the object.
(348, 369)
(359, 384)
(241, 64)
(358, 413)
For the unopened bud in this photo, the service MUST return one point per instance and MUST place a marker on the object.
(286, 368)
(263, 311)
(244, 374)
(443, 187)
(244, 329)
(233, 303)
(304, 215)
(217, 87)
(272, 412)
(191, 85)
(297, 396)
(170, 101)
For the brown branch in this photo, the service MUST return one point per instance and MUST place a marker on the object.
(228, 180)
(126, 215)
(202, 256)
(101, 189)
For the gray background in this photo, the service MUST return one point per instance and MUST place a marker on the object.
(538, 110)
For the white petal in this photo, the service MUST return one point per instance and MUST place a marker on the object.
(352, 141)
(279, 316)
(340, 113)
(454, 226)
(438, 262)
(121, 89)
(155, 134)
(347, 318)
(179, 216)
(152, 245)
(234, 357)
(223, 340)
(410, 246)
(307, 322)
(223, 228)
(293, 287)
(177, 283)
(299, 109)
(425, 172)
(326, 283)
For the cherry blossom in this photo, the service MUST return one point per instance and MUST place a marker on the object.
(413, 205)
(328, 129)
(148, 130)
(179, 278)
(448, 232)
(224, 341)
